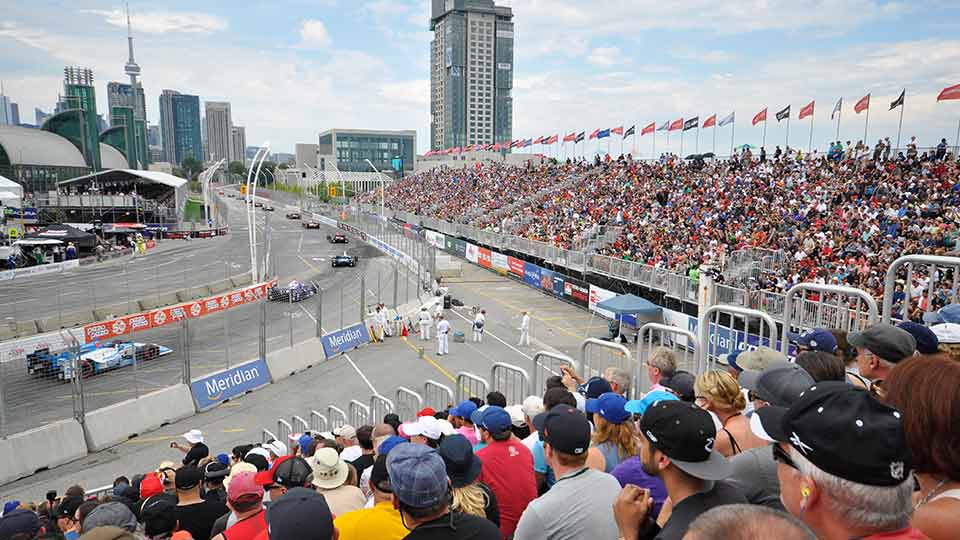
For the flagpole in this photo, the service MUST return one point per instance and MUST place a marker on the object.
(787, 141)
(682, 131)
(866, 122)
(733, 127)
(653, 151)
(810, 146)
(839, 114)
(698, 137)
(900, 126)
(764, 143)
(714, 139)
(956, 149)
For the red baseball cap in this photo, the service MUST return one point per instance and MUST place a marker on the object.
(265, 478)
(426, 411)
(150, 486)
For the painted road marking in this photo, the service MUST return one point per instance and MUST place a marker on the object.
(346, 356)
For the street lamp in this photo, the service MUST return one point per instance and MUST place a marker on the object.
(205, 178)
(261, 155)
(380, 176)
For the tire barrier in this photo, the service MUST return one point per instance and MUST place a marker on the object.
(470, 385)
(437, 396)
(408, 402)
(683, 343)
(512, 381)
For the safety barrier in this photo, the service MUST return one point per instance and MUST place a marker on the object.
(546, 364)
(379, 407)
(618, 356)
(299, 424)
(408, 403)
(436, 395)
(932, 262)
(116, 423)
(683, 343)
(266, 436)
(318, 422)
(834, 307)
(512, 381)
(358, 413)
(47, 446)
(291, 360)
(470, 385)
(337, 417)
(729, 338)
(284, 430)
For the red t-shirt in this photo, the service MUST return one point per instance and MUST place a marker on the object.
(903, 534)
(508, 470)
(247, 529)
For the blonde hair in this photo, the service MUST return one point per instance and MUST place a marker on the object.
(470, 499)
(621, 434)
(722, 389)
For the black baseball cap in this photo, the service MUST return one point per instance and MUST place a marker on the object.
(565, 429)
(686, 434)
(595, 386)
(301, 514)
(885, 341)
(288, 471)
(681, 384)
(779, 384)
(378, 474)
(19, 522)
(159, 515)
(68, 507)
(188, 477)
(215, 471)
(927, 341)
(844, 431)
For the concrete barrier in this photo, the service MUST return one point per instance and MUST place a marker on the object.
(25, 328)
(242, 280)
(149, 302)
(167, 299)
(112, 311)
(44, 447)
(119, 422)
(221, 286)
(291, 360)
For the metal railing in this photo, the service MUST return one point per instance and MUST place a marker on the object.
(470, 385)
(931, 263)
(512, 381)
(546, 364)
(717, 338)
(614, 355)
(284, 430)
(359, 413)
(318, 422)
(379, 407)
(834, 307)
(299, 424)
(437, 396)
(408, 402)
(337, 416)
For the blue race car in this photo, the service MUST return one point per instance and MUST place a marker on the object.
(344, 260)
(95, 358)
(295, 291)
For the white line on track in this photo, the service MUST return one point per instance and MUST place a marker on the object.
(491, 334)
(346, 356)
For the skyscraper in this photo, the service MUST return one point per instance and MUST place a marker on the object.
(80, 96)
(9, 111)
(40, 116)
(471, 73)
(180, 126)
(219, 130)
(239, 136)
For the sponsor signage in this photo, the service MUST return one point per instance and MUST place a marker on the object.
(723, 340)
(221, 386)
(558, 285)
(29, 213)
(576, 291)
(499, 261)
(531, 274)
(17, 350)
(483, 258)
(450, 244)
(52, 268)
(473, 253)
(515, 266)
(435, 239)
(344, 340)
(461, 248)
(546, 280)
(599, 294)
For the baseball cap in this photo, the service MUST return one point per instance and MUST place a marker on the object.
(346, 431)
(426, 411)
(258, 451)
(223, 458)
(946, 332)
(594, 387)
(817, 339)
(418, 475)
(731, 359)
(565, 429)
(150, 485)
(10, 506)
(111, 513)
(610, 407)
(927, 341)
(188, 477)
(159, 515)
(516, 415)
(844, 431)
(427, 426)
(329, 471)
(243, 483)
(389, 444)
(759, 358)
(19, 522)
(495, 419)
(949, 313)
(278, 448)
(301, 514)
(463, 466)
(532, 406)
(378, 474)
(68, 506)
(779, 384)
(464, 409)
(288, 471)
(682, 385)
(193, 436)
(640, 406)
(685, 433)
(238, 468)
(886, 341)
(304, 442)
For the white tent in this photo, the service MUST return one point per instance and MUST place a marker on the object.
(10, 189)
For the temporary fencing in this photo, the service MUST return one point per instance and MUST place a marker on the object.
(683, 343)
(299, 424)
(546, 364)
(470, 385)
(917, 270)
(815, 305)
(318, 422)
(358, 413)
(725, 329)
(284, 430)
(408, 402)
(512, 381)
(596, 355)
(266, 436)
(337, 417)
(379, 407)
(436, 395)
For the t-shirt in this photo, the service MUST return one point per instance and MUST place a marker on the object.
(344, 499)
(71, 535)
(351, 453)
(382, 522)
(531, 440)
(248, 528)
(580, 505)
(689, 509)
(469, 432)
(195, 454)
(508, 470)
(631, 471)
(755, 475)
(198, 518)
(540, 464)
(456, 526)
(361, 464)
(903, 534)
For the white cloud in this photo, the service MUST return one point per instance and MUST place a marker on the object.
(386, 8)
(161, 22)
(606, 56)
(314, 35)
(708, 56)
(409, 92)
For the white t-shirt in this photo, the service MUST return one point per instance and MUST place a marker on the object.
(425, 316)
(531, 440)
(351, 453)
(443, 327)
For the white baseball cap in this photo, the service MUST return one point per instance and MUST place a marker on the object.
(532, 406)
(277, 447)
(193, 436)
(427, 426)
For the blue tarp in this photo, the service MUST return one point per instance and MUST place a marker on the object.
(629, 304)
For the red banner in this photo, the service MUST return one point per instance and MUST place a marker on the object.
(516, 266)
(950, 92)
(806, 111)
(677, 124)
(648, 129)
(484, 258)
(710, 122)
(760, 117)
(862, 105)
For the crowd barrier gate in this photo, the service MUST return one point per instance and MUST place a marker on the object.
(933, 261)
(822, 314)
(511, 381)
(266, 435)
(549, 367)
(284, 429)
(683, 342)
(436, 395)
(379, 407)
(408, 403)
(708, 351)
(470, 385)
(358, 413)
(337, 417)
(300, 425)
(318, 422)
(618, 356)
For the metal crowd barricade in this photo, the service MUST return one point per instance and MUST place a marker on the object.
(843, 311)
(379, 407)
(358, 413)
(284, 429)
(546, 364)
(511, 381)
(681, 341)
(470, 385)
(932, 262)
(408, 403)
(299, 424)
(337, 417)
(734, 339)
(266, 435)
(436, 395)
(617, 355)
(318, 422)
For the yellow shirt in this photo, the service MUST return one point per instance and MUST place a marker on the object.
(381, 522)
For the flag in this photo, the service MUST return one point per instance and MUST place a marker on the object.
(950, 92)
(862, 105)
(617, 130)
(631, 131)
(899, 101)
(603, 134)
(836, 108)
(538, 140)
(551, 140)
(595, 133)
(516, 143)
(496, 147)
(570, 138)
(691, 123)
(807, 110)
(677, 124)
(728, 120)
(710, 121)
(784, 113)
(664, 126)
(760, 116)
(526, 143)
(580, 137)
(649, 128)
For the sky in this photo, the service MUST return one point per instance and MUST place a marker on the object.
(294, 68)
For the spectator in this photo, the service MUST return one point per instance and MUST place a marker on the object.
(822, 366)
(275, 450)
(580, 504)
(110, 514)
(541, 468)
(421, 492)
(426, 430)
(720, 394)
(661, 365)
(676, 445)
(879, 348)
(381, 434)
(866, 497)
(193, 512)
(496, 398)
(681, 385)
(20, 524)
(346, 436)
(614, 439)
(65, 514)
(393, 421)
(519, 428)
(925, 391)
(82, 512)
(195, 451)
(213, 475)
(747, 522)
(239, 452)
(159, 518)
(630, 471)
(817, 339)
(382, 521)
(927, 341)
(619, 380)
(460, 418)
(531, 407)
(302, 514)
(507, 467)
(365, 442)
(108, 533)
(245, 500)
(463, 469)
(330, 474)
(848, 354)
(287, 473)
(306, 445)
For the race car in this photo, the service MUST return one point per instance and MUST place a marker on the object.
(344, 260)
(338, 238)
(293, 215)
(257, 204)
(95, 358)
(268, 208)
(311, 224)
(295, 291)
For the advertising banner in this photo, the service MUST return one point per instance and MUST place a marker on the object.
(724, 340)
(461, 248)
(483, 258)
(221, 386)
(450, 244)
(531, 274)
(435, 239)
(473, 253)
(515, 266)
(17, 350)
(558, 284)
(344, 340)
(500, 261)
(546, 280)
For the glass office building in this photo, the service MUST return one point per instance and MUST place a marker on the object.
(349, 150)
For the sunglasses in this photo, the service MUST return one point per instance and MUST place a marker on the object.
(779, 455)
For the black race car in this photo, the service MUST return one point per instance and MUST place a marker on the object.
(268, 208)
(293, 215)
(311, 224)
(338, 238)
(344, 260)
(295, 291)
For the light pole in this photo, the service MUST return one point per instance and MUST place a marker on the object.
(205, 178)
(261, 155)
(380, 176)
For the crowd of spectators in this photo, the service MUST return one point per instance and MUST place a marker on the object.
(857, 441)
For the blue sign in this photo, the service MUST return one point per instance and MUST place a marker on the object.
(531, 274)
(29, 213)
(558, 283)
(223, 385)
(344, 340)
(724, 340)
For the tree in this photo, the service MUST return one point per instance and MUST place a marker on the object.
(237, 167)
(191, 166)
